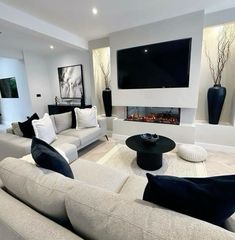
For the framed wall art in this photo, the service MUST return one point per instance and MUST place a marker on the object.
(71, 82)
(8, 88)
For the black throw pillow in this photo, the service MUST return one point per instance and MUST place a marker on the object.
(210, 199)
(47, 157)
(74, 122)
(27, 127)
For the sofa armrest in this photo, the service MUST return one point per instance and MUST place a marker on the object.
(103, 124)
(69, 150)
(12, 145)
(9, 130)
(18, 221)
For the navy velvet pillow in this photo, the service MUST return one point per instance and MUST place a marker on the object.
(210, 199)
(27, 127)
(47, 157)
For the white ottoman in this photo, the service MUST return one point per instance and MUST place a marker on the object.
(192, 153)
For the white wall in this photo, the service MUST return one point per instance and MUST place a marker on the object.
(15, 109)
(38, 82)
(72, 57)
(186, 26)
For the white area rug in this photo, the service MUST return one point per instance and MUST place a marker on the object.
(123, 158)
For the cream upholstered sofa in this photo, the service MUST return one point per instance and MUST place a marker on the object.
(12, 145)
(100, 203)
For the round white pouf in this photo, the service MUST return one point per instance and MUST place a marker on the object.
(192, 153)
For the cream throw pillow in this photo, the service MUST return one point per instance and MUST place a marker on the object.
(44, 129)
(86, 117)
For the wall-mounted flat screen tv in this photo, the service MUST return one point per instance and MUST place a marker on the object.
(160, 65)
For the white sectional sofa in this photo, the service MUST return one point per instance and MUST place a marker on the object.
(12, 145)
(101, 203)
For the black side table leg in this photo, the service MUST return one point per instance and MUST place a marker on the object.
(148, 161)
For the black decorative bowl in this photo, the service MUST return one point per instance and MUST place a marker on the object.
(149, 138)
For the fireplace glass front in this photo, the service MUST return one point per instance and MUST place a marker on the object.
(154, 115)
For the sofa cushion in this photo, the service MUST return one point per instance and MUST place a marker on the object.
(18, 222)
(210, 199)
(27, 127)
(40, 188)
(86, 135)
(86, 117)
(69, 151)
(134, 187)
(63, 121)
(44, 129)
(47, 157)
(16, 129)
(61, 139)
(102, 215)
(14, 146)
(99, 175)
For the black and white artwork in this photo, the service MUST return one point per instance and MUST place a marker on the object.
(8, 88)
(71, 82)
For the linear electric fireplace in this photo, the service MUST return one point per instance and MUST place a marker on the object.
(154, 115)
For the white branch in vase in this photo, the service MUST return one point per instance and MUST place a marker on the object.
(225, 40)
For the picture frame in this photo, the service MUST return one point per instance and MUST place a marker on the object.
(8, 88)
(71, 82)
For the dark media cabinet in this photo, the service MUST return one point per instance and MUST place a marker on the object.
(56, 109)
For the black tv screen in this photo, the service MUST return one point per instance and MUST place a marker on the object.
(160, 65)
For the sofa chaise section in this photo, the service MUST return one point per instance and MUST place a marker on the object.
(20, 222)
(98, 208)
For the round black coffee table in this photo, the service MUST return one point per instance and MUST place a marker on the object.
(149, 155)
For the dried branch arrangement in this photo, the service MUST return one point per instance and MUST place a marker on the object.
(225, 40)
(105, 69)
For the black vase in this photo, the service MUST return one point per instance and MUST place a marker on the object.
(215, 99)
(107, 99)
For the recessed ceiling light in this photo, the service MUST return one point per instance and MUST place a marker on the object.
(94, 11)
(145, 50)
(51, 47)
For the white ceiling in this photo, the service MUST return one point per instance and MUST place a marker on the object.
(17, 38)
(76, 17)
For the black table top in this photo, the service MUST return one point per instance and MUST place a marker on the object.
(162, 145)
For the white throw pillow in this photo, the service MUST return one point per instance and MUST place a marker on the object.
(44, 129)
(86, 117)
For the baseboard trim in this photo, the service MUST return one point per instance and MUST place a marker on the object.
(208, 146)
(216, 147)
(120, 136)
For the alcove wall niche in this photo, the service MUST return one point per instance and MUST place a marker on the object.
(210, 38)
(101, 62)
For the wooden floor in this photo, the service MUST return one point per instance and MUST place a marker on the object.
(217, 163)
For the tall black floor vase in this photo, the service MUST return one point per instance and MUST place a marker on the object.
(215, 98)
(107, 99)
